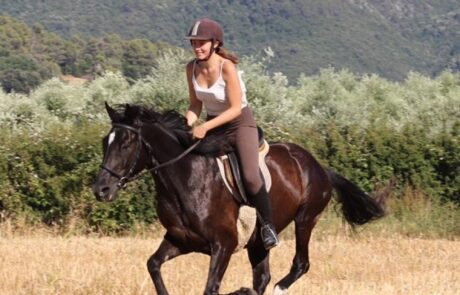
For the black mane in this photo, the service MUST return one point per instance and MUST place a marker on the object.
(175, 123)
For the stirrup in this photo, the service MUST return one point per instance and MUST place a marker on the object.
(269, 236)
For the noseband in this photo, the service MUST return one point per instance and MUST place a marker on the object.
(123, 180)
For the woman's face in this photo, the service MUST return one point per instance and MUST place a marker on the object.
(201, 48)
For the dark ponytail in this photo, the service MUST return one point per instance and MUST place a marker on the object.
(227, 54)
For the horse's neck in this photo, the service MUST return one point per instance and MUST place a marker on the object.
(180, 186)
(164, 144)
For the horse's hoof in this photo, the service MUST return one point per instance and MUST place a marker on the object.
(279, 291)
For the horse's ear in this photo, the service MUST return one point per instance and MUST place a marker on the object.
(130, 112)
(112, 113)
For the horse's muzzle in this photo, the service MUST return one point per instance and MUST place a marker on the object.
(105, 193)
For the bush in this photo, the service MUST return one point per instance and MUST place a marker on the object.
(48, 180)
(367, 128)
(378, 153)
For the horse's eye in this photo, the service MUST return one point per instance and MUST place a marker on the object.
(125, 146)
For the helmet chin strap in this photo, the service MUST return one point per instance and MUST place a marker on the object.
(210, 52)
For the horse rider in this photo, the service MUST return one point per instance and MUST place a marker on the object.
(214, 82)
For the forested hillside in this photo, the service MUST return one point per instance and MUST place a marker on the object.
(31, 55)
(387, 37)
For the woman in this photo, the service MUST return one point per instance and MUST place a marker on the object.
(214, 82)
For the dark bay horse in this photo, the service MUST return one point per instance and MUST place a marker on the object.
(199, 213)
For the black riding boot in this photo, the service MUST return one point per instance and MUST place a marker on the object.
(261, 202)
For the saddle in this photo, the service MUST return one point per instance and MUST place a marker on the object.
(229, 167)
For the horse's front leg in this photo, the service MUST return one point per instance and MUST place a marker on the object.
(220, 257)
(259, 258)
(165, 252)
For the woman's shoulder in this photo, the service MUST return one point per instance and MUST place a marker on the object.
(189, 67)
(190, 64)
(228, 66)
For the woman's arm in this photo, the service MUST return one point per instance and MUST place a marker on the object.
(195, 107)
(234, 94)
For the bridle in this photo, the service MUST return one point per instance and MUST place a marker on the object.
(128, 177)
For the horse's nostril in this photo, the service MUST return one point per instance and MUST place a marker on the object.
(101, 191)
(104, 191)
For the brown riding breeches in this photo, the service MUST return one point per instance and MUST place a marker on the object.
(242, 132)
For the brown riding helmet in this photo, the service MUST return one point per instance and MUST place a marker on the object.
(206, 29)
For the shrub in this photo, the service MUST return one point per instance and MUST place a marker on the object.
(367, 128)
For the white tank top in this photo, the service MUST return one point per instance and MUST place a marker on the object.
(214, 98)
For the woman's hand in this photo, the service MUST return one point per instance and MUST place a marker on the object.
(199, 131)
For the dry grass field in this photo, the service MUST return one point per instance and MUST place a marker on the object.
(340, 264)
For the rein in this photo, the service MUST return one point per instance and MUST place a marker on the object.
(123, 180)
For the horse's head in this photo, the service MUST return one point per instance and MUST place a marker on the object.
(141, 137)
(124, 154)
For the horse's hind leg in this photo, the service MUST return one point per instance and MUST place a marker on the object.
(259, 258)
(300, 264)
(165, 252)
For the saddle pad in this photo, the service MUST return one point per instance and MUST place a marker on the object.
(263, 151)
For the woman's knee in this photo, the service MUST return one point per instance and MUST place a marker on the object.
(252, 183)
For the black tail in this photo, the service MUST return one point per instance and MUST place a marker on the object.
(357, 207)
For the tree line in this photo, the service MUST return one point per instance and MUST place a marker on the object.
(31, 55)
(361, 36)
